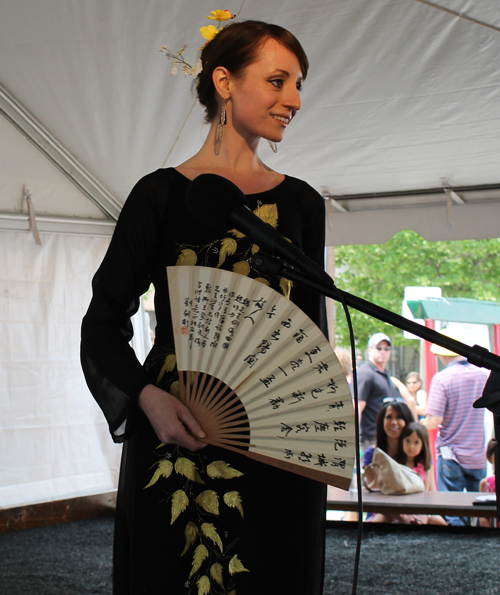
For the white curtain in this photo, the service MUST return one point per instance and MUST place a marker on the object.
(54, 442)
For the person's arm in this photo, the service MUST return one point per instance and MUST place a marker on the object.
(430, 480)
(436, 404)
(361, 406)
(171, 420)
(421, 400)
(405, 393)
(364, 387)
(431, 422)
(115, 377)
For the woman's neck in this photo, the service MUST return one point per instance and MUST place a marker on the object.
(234, 159)
(392, 447)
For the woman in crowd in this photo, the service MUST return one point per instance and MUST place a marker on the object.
(393, 416)
(414, 385)
(193, 518)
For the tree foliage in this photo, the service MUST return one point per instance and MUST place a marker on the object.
(379, 273)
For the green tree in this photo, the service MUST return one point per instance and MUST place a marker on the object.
(379, 273)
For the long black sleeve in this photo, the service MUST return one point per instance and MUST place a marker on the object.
(113, 373)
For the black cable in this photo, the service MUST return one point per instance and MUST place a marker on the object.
(276, 267)
(358, 458)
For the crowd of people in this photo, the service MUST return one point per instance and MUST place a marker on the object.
(396, 418)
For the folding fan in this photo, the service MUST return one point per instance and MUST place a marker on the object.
(259, 375)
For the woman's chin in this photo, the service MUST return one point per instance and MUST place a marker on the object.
(393, 435)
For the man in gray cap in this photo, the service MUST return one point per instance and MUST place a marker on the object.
(374, 385)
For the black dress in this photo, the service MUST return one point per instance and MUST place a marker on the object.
(212, 521)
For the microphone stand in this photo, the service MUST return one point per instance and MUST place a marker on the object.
(477, 355)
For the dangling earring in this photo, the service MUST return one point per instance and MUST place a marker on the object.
(273, 146)
(222, 121)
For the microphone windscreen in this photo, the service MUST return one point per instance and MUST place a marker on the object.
(212, 198)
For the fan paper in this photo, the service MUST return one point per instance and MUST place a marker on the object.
(260, 376)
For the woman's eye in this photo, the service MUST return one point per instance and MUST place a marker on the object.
(277, 83)
(299, 86)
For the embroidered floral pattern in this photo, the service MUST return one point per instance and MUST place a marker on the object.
(199, 493)
(214, 562)
(233, 251)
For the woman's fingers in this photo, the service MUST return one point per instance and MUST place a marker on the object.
(190, 423)
(171, 420)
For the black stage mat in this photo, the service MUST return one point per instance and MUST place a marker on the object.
(75, 558)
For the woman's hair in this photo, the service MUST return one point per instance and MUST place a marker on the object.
(491, 449)
(235, 47)
(425, 454)
(401, 409)
(415, 375)
(345, 360)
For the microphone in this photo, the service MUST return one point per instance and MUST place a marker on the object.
(220, 203)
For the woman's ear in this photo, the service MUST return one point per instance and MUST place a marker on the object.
(220, 78)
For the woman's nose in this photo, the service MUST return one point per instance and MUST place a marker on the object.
(292, 99)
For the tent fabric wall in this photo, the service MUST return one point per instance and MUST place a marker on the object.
(54, 442)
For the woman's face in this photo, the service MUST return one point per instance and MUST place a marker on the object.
(413, 384)
(393, 423)
(412, 445)
(266, 97)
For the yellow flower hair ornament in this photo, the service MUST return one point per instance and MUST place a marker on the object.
(208, 33)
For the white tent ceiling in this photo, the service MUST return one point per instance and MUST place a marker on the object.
(400, 95)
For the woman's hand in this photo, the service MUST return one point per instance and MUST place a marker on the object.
(171, 420)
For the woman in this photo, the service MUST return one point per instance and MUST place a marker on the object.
(192, 518)
(391, 419)
(414, 385)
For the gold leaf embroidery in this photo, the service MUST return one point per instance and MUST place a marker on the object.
(268, 213)
(191, 532)
(216, 573)
(187, 258)
(242, 268)
(237, 234)
(286, 287)
(235, 566)
(233, 500)
(175, 389)
(168, 366)
(200, 554)
(263, 281)
(188, 469)
(209, 531)
(228, 247)
(221, 470)
(164, 469)
(203, 585)
(209, 500)
(255, 248)
(179, 504)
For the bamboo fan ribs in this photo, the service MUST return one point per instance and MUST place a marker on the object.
(259, 375)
